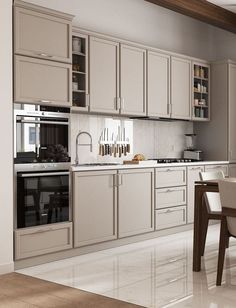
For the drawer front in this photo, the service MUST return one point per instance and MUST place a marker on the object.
(169, 177)
(167, 197)
(42, 240)
(42, 36)
(216, 168)
(42, 82)
(170, 217)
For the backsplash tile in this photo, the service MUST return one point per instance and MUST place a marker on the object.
(160, 139)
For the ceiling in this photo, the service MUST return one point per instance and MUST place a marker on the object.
(226, 4)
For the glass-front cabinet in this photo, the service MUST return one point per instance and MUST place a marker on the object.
(80, 71)
(201, 92)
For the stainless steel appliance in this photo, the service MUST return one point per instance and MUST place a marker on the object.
(41, 134)
(42, 194)
(191, 152)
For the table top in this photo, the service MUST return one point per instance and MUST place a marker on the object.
(209, 182)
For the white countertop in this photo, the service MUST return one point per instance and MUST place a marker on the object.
(143, 165)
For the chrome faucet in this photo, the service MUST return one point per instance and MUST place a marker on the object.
(82, 144)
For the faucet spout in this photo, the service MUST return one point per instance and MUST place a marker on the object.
(82, 144)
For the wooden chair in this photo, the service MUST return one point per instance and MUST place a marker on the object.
(213, 204)
(227, 190)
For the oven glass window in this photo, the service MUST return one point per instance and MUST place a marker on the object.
(42, 199)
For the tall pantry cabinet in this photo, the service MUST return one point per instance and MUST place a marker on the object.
(217, 137)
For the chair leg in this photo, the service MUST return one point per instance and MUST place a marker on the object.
(204, 233)
(227, 242)
(222, 247)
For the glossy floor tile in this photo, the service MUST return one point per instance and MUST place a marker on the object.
(153, 273)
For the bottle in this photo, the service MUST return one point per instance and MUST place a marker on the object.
(75, 85)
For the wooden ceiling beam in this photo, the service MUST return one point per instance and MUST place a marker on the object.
(203, 11)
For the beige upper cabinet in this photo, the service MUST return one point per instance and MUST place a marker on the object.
(104, 75)
(136, 202)
(232, 112)
(94, 207)
(181, 76)
(132, 80)
(158, 85)
(40, 81)
(42, 33)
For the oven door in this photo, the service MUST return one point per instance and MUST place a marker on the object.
(42, 198)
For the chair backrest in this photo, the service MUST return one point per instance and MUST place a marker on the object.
(227, 189)
(211, 175)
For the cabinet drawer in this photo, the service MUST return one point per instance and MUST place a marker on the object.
(169, 177)
(42, 82)
(41, 35)
(41, 240)
(170, 217)
(167, 197)
(215, 168)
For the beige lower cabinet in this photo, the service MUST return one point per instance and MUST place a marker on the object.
(170, 217)
(192, 176)
(168, 197)
(38, 81)
(170, 177)
(136, 202)
(232, 170)
(94, 207)
(35, 241)
(215, 168)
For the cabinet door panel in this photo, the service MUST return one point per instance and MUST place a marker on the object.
(215, 168)
(94, 210)
(42, 82)
(104, 72)
(170, 217)
(232, 112)
(181, 88)
(168, 197)
(35, 241)
(169, 177)
(132, 80)
(136, 208)
(158, 85)
(42, 35)
(192, 176)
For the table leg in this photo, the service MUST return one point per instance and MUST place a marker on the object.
(197, 235)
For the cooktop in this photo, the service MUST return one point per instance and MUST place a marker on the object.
(174, 160)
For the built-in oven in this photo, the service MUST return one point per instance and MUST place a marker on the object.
(41, 134)
(43, 196)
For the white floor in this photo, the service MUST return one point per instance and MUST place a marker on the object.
(154, 273)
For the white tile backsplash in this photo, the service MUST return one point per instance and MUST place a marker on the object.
(160, 139)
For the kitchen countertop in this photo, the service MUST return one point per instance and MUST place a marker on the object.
(148, 165)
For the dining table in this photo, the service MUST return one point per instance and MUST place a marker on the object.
(201, 187)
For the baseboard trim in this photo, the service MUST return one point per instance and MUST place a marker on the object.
(6, 268)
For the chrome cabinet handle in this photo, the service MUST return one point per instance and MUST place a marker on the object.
(87, 103)
(195, 168)
(43, 101)
(44, 55)
(29, 175)
(43, 231)
(120, 179)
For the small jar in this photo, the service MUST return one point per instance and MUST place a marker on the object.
(76, 44)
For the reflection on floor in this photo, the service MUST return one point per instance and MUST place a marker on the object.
(154, 273)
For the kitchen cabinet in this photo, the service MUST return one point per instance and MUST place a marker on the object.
(43, 82)
(104, 75)
(192, 176)
(181, 76)
(158, 85)
(215, 168)
(42, 33)
(80, 100)
(168, 197)
(132, 80)
(217, 138)
(201, 92)
(170, 177)
(136, 202)
(170, 217)
(94, 207)
(232, 170)
(35, 241)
